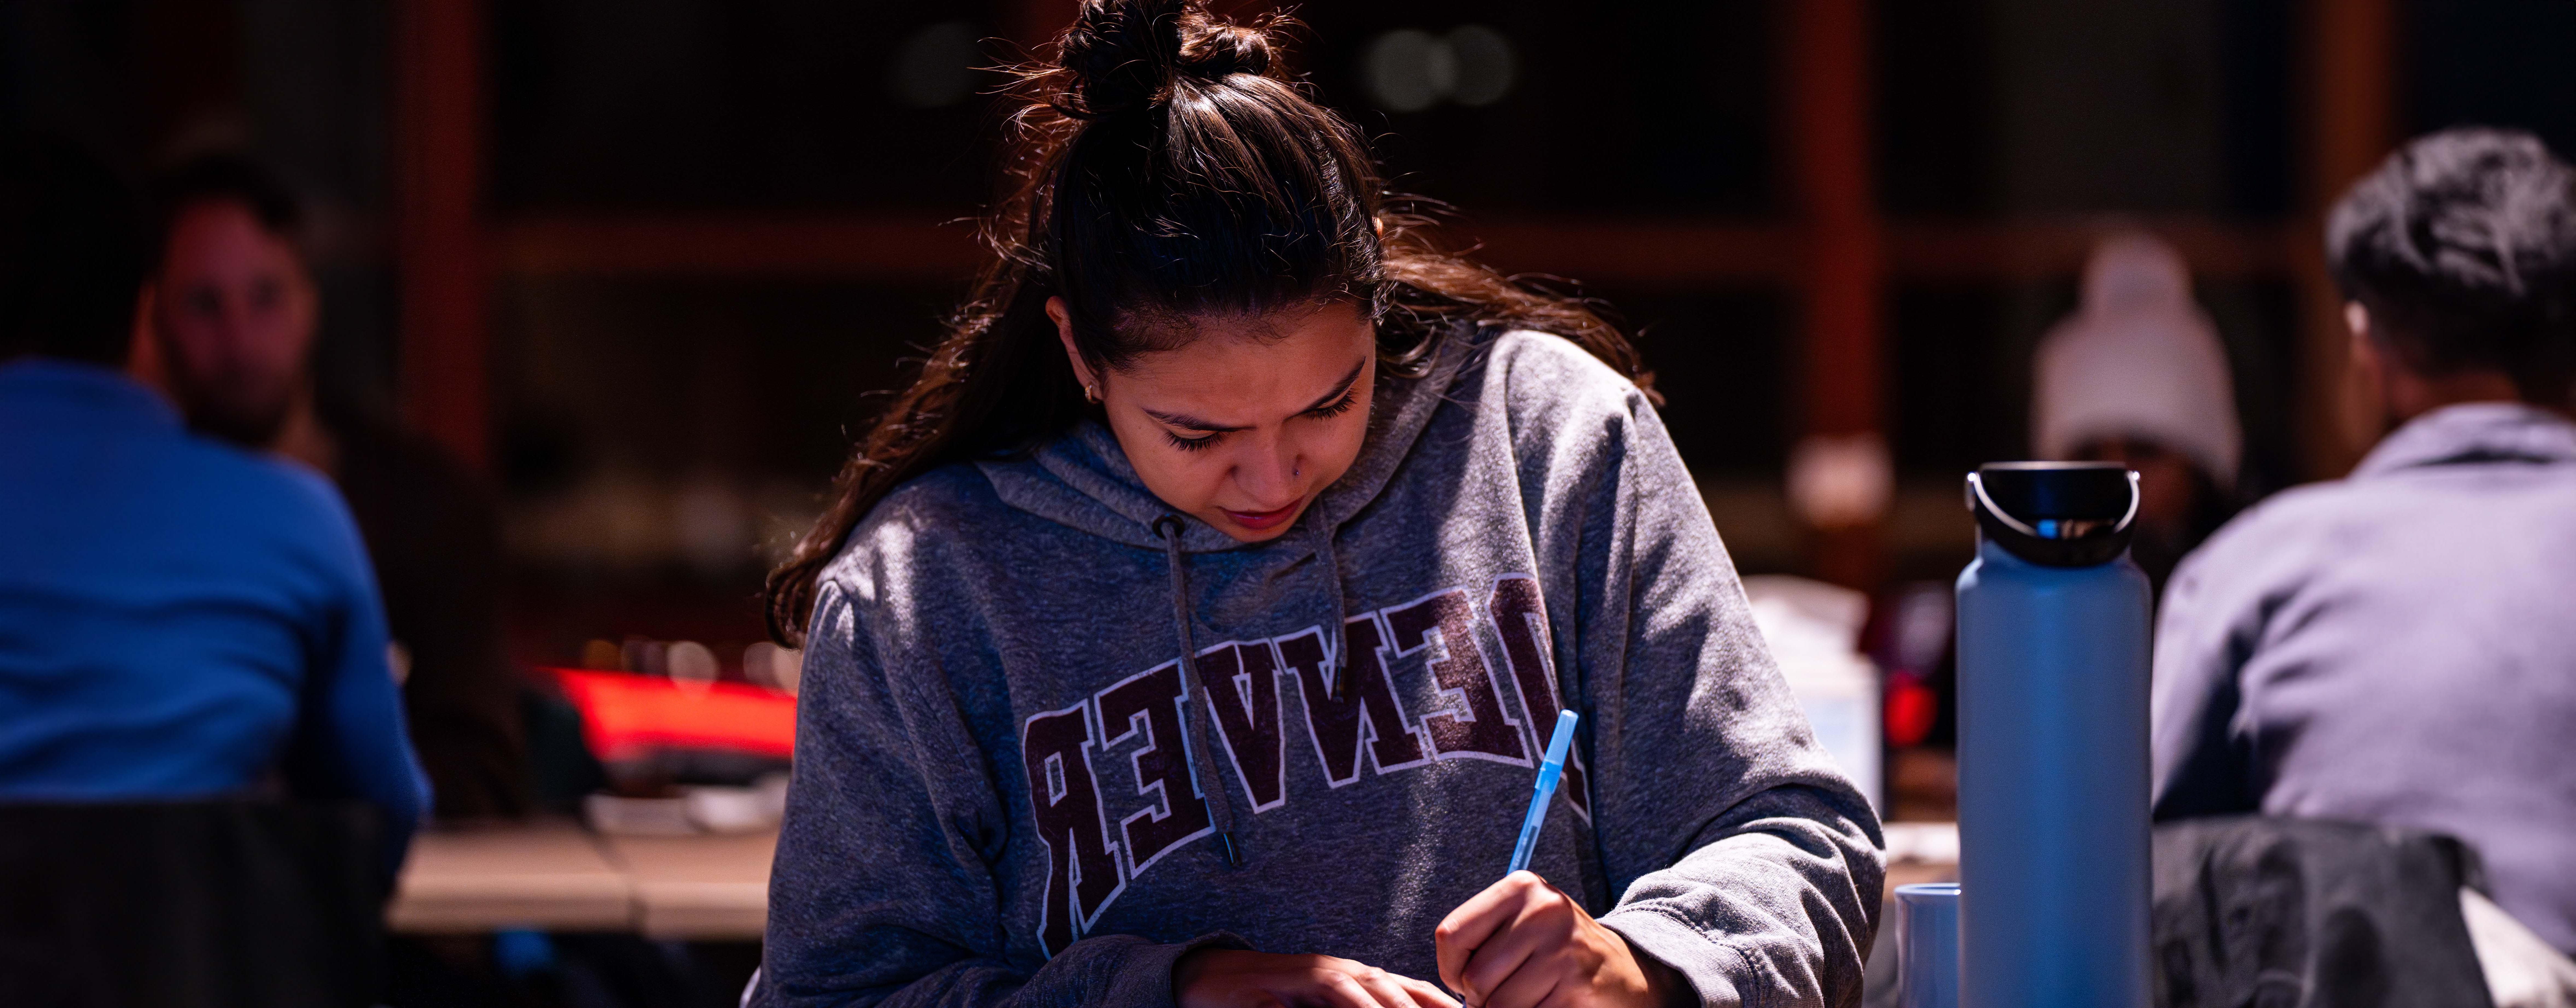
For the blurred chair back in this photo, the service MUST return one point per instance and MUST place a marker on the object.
(2301, 913)
(190, 904)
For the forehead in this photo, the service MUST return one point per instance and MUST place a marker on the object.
(1240, 365)
(223, 234)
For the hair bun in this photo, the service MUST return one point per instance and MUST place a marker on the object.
(1220, 49)
(1125, 55)
(1121, 54)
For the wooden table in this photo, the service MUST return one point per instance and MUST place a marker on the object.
(701, 887)
(556, 876)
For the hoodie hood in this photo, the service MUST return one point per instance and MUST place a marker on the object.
(1082, 479)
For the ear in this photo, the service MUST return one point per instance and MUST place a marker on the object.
(2369, 363)
(143, 357)
(2364, 350)
(1062, 315)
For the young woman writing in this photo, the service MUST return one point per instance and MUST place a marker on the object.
(1189, 629)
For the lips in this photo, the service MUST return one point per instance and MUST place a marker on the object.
(1262, 519)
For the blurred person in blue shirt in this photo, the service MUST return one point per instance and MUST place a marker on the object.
(230, 315)
(2396, 647)
(179, 618)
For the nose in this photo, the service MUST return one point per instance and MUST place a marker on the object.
(1269, 472)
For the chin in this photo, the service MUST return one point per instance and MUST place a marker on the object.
(1246, 535)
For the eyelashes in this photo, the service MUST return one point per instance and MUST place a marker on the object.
(1338, 407)
(1349, 399)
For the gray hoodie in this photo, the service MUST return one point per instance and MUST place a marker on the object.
(1011, 788)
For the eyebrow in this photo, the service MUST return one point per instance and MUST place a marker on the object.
(1185, 421)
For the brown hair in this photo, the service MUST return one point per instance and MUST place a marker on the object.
(1164, 165)
(2462, 245)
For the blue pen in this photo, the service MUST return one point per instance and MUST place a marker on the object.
(1549, 770)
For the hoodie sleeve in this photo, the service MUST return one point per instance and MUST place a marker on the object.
(882, 891)
(1742, 858)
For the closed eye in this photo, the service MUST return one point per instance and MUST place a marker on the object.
(1200, 443)
(1350, 398)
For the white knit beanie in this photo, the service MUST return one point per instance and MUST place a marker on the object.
(2138, 360)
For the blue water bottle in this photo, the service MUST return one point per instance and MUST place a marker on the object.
(2053, 643)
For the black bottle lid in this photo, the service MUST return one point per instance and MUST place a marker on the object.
(2056, 514)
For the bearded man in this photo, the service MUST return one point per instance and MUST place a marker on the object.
(227, 330)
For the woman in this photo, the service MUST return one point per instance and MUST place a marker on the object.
(2138, 375)
(1077, 726)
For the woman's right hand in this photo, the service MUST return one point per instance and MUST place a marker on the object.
(1230, 978)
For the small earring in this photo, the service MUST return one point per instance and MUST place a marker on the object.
(1090, 393)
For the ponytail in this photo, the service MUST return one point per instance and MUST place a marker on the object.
(1163, 165)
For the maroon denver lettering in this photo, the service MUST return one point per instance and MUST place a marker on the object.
(1082, 861)
(1241, 680)
(1150, 702)
(1520, 621)
(1367, 712)
(1445, 624)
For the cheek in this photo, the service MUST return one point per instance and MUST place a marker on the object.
(191, 341)
(283, 340)
(302, 311)
(1183, 479)
(1341, 441)
(276, 330)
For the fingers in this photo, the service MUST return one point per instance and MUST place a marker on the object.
(1387, 988)
(1427, 995)
(1541, 946)
(1525, 989)
(1497, 962)
(1345, 983)
(1476, 920)
(1221, 978)
(1339, 989)
(1541, 926)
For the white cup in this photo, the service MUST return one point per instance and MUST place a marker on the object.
(1927, 945)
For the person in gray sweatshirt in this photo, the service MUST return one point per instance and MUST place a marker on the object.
(1189, 632)
(2395, 647)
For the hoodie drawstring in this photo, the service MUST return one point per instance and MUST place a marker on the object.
(1194, 743)
(1341, 659)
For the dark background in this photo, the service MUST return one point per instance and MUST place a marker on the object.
(662, 411)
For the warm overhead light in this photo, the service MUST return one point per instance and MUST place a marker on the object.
(1409, 70)
(1486, 64)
